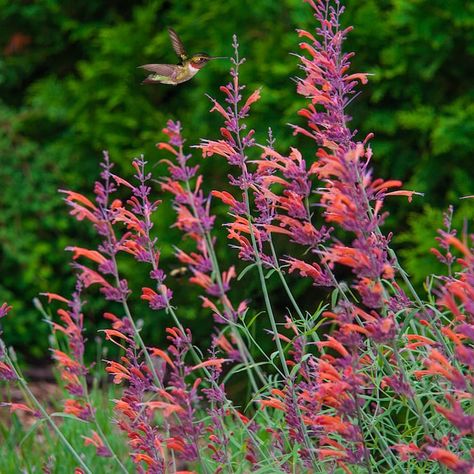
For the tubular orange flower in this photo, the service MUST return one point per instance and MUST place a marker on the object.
(210, 363)
(90, 254)
(333, 344)
(167, 408)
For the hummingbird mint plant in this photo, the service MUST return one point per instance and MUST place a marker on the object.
(371, 377)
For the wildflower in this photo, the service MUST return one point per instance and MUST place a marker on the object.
(4, 310)
(6, 372)
(157, 301)
(96, 441)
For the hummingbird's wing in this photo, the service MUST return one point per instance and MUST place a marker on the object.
(161, 69)
(177, 44)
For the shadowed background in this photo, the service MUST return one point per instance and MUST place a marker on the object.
(69, 88)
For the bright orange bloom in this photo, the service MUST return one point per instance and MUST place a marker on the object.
(18, 407)
(95, 440)
(273, 403)
(201, 279)
(73, 407)
(166, 408)
(445, 457)
(54, 296)
(219, 147)
(118, 371)
(334, 344)
(91, 254)
(139, 457)
(63, 359)
(73, 196)
(438, 364)
(225, 197)
(90, 277)
(210, 363)
(162, 354)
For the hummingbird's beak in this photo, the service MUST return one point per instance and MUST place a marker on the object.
(218, 57)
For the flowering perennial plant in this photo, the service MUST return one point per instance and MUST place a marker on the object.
(371, 379)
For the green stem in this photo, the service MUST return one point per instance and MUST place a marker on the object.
(290, 293)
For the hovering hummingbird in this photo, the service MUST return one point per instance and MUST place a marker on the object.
(176, 73)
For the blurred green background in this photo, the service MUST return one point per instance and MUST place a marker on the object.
(69, 88)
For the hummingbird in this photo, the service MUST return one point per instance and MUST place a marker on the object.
(177, 73)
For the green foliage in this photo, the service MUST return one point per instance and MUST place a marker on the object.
(72, 89)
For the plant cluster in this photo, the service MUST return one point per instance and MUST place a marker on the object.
(373, 379)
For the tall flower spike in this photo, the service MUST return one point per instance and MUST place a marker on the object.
(195, 220)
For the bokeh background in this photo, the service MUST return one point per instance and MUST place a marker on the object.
(70, 88)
